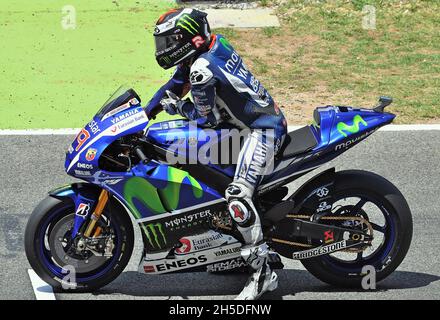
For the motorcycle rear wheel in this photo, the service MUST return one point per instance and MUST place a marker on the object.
(396, 230)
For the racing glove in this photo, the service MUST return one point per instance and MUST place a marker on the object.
(172, 104)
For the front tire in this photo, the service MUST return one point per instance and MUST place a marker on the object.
(45, 216)
(397, 231)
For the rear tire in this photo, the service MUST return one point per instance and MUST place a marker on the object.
(373, 185)
(51, 210)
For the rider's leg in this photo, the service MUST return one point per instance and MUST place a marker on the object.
(255, 159)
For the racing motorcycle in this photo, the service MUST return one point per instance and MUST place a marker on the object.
(335, 223)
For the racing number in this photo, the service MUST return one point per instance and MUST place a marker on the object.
(83, 136)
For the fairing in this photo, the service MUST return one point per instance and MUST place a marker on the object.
(169, 203)
(336, 129)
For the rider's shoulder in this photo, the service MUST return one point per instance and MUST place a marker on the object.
(219, 47)
(200, 72)
(204, 67)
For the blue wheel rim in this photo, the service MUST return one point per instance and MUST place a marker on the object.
(379, 256)
(55, 269)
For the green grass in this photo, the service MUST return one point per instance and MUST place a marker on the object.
(56, 78)
(227, 32)
(271, 31)
(338, 57)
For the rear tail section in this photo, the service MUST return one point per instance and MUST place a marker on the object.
(335, 130)
(342, 127)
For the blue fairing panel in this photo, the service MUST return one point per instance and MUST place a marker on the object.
(163, 189)
(337, 130)
(339, 124)
(83, 155)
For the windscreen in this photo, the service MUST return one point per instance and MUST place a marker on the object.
(121, 96)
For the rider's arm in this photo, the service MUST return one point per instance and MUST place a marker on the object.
(178, 84)
(204, 109)
(203, 89)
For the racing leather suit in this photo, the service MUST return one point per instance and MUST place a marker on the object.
(224, 90)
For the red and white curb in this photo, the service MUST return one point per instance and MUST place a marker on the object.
(75, 131)
(42, 290)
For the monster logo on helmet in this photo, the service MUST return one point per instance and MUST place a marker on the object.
(180, 34)
(186, 22)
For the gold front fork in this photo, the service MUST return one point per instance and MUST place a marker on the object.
(102, 201)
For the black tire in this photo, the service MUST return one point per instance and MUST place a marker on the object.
(393, 201)
(33, 243)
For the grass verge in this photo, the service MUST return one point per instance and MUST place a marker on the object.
(323, 54)
(52, 77)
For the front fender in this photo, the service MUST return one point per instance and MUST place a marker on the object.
(85, 195)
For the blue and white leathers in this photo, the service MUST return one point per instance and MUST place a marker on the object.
(224, 90)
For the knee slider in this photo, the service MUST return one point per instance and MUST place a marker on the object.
(238, 204)
(241, 212)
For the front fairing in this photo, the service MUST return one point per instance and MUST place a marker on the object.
(122, 115)
(83, 155)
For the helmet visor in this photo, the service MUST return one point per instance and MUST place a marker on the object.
(166, 43)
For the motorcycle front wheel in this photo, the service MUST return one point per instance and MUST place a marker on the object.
(48, 247)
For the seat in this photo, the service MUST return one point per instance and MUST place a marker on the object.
(297, 142)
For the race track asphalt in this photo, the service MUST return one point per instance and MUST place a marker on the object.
(32, 165)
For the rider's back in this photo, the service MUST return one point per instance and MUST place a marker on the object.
(239, 95)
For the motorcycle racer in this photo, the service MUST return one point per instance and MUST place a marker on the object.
(223, 90)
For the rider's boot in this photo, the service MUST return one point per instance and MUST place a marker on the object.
(262, 279)
(255, 252)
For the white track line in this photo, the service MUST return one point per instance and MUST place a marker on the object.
(39, 132)
(74, 131)
(410, 127)
(42, 290)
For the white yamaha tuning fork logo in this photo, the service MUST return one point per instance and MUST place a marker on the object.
(322, 192)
